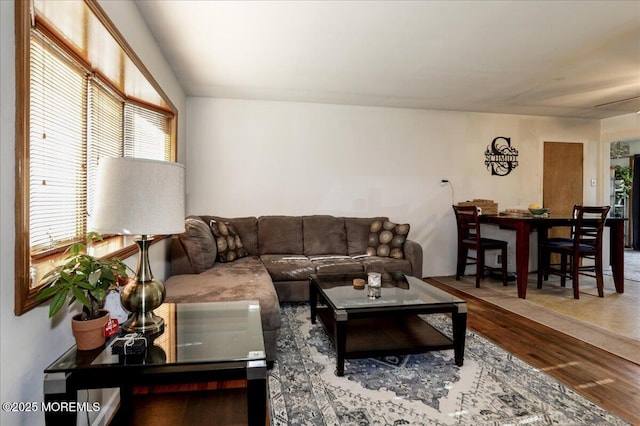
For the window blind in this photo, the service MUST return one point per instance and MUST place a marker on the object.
(146, 133)
(106, 132)
(57, 147)
(76, 119)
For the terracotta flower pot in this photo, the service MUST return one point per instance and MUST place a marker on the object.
(89, 334)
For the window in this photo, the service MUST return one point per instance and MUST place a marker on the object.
(73, 114)
(57, 148)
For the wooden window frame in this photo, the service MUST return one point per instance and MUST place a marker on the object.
(25, 292)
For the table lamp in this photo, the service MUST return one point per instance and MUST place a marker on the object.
(143, 198)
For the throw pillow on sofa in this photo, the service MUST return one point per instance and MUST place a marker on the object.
(198, 243)
(386, 239)
(228, 241)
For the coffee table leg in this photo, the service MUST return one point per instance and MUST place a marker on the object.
(341, 340)
(257, 393)
(459, 320)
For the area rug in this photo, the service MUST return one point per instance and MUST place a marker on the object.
(631, 266)
(586, 319)
(492, 387)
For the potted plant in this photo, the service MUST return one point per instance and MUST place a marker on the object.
(87, 279)
(624, 175)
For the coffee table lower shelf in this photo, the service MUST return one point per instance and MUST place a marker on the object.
(383, 335)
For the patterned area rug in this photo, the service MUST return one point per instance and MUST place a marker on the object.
(492, 388)
(631, 266)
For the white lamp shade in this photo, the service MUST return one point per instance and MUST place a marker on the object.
(139, 197)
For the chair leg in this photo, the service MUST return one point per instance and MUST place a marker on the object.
(599, 277)
(504, 266)
(575, 273)
(479, 267)
(541, 267)
(462, 260)
(546, 258)
(563, 270)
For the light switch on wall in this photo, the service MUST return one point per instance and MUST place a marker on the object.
(593, 182)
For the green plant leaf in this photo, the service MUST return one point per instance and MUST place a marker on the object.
(108, 273)
(79, 294)
(65, 276)
(98, 293)
(94, 277)
(85, 285)
(93, 235)
(56, 303)
(48, 292)
(76, 248)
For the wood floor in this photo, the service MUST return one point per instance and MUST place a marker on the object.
(609, 381)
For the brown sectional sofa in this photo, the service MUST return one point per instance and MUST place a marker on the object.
(278, 255)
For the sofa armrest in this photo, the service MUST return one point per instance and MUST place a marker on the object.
(180, 263)
(413, 253)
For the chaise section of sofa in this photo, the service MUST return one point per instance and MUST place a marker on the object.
(196, 276)
(273, 256)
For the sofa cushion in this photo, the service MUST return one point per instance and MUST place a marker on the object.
(244, 279)
(357, 230)
(229, 243)
(386, 239)
(198, 243)
(336, 264)
(280, 235)
(385, 264)
(324, 235)
(246, 227)
(288, 267)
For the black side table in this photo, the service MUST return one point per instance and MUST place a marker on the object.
(201, 342)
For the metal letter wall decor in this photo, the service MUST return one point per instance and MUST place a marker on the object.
(500, 157)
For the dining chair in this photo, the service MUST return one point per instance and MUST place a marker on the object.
(560, 240)
(585, 244)
(469, 238)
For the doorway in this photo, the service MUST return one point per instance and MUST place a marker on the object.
(562, 181)
(625, 202)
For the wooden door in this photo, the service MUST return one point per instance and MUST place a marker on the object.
(562, 181)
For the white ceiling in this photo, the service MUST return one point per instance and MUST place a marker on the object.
(554, 58)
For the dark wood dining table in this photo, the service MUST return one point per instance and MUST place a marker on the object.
(524, 225)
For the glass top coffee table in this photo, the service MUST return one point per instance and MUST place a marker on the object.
(201, 342)
(362, 327)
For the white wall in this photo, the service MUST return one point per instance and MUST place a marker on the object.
(259, 157)
(621, 128)
(32, 341)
